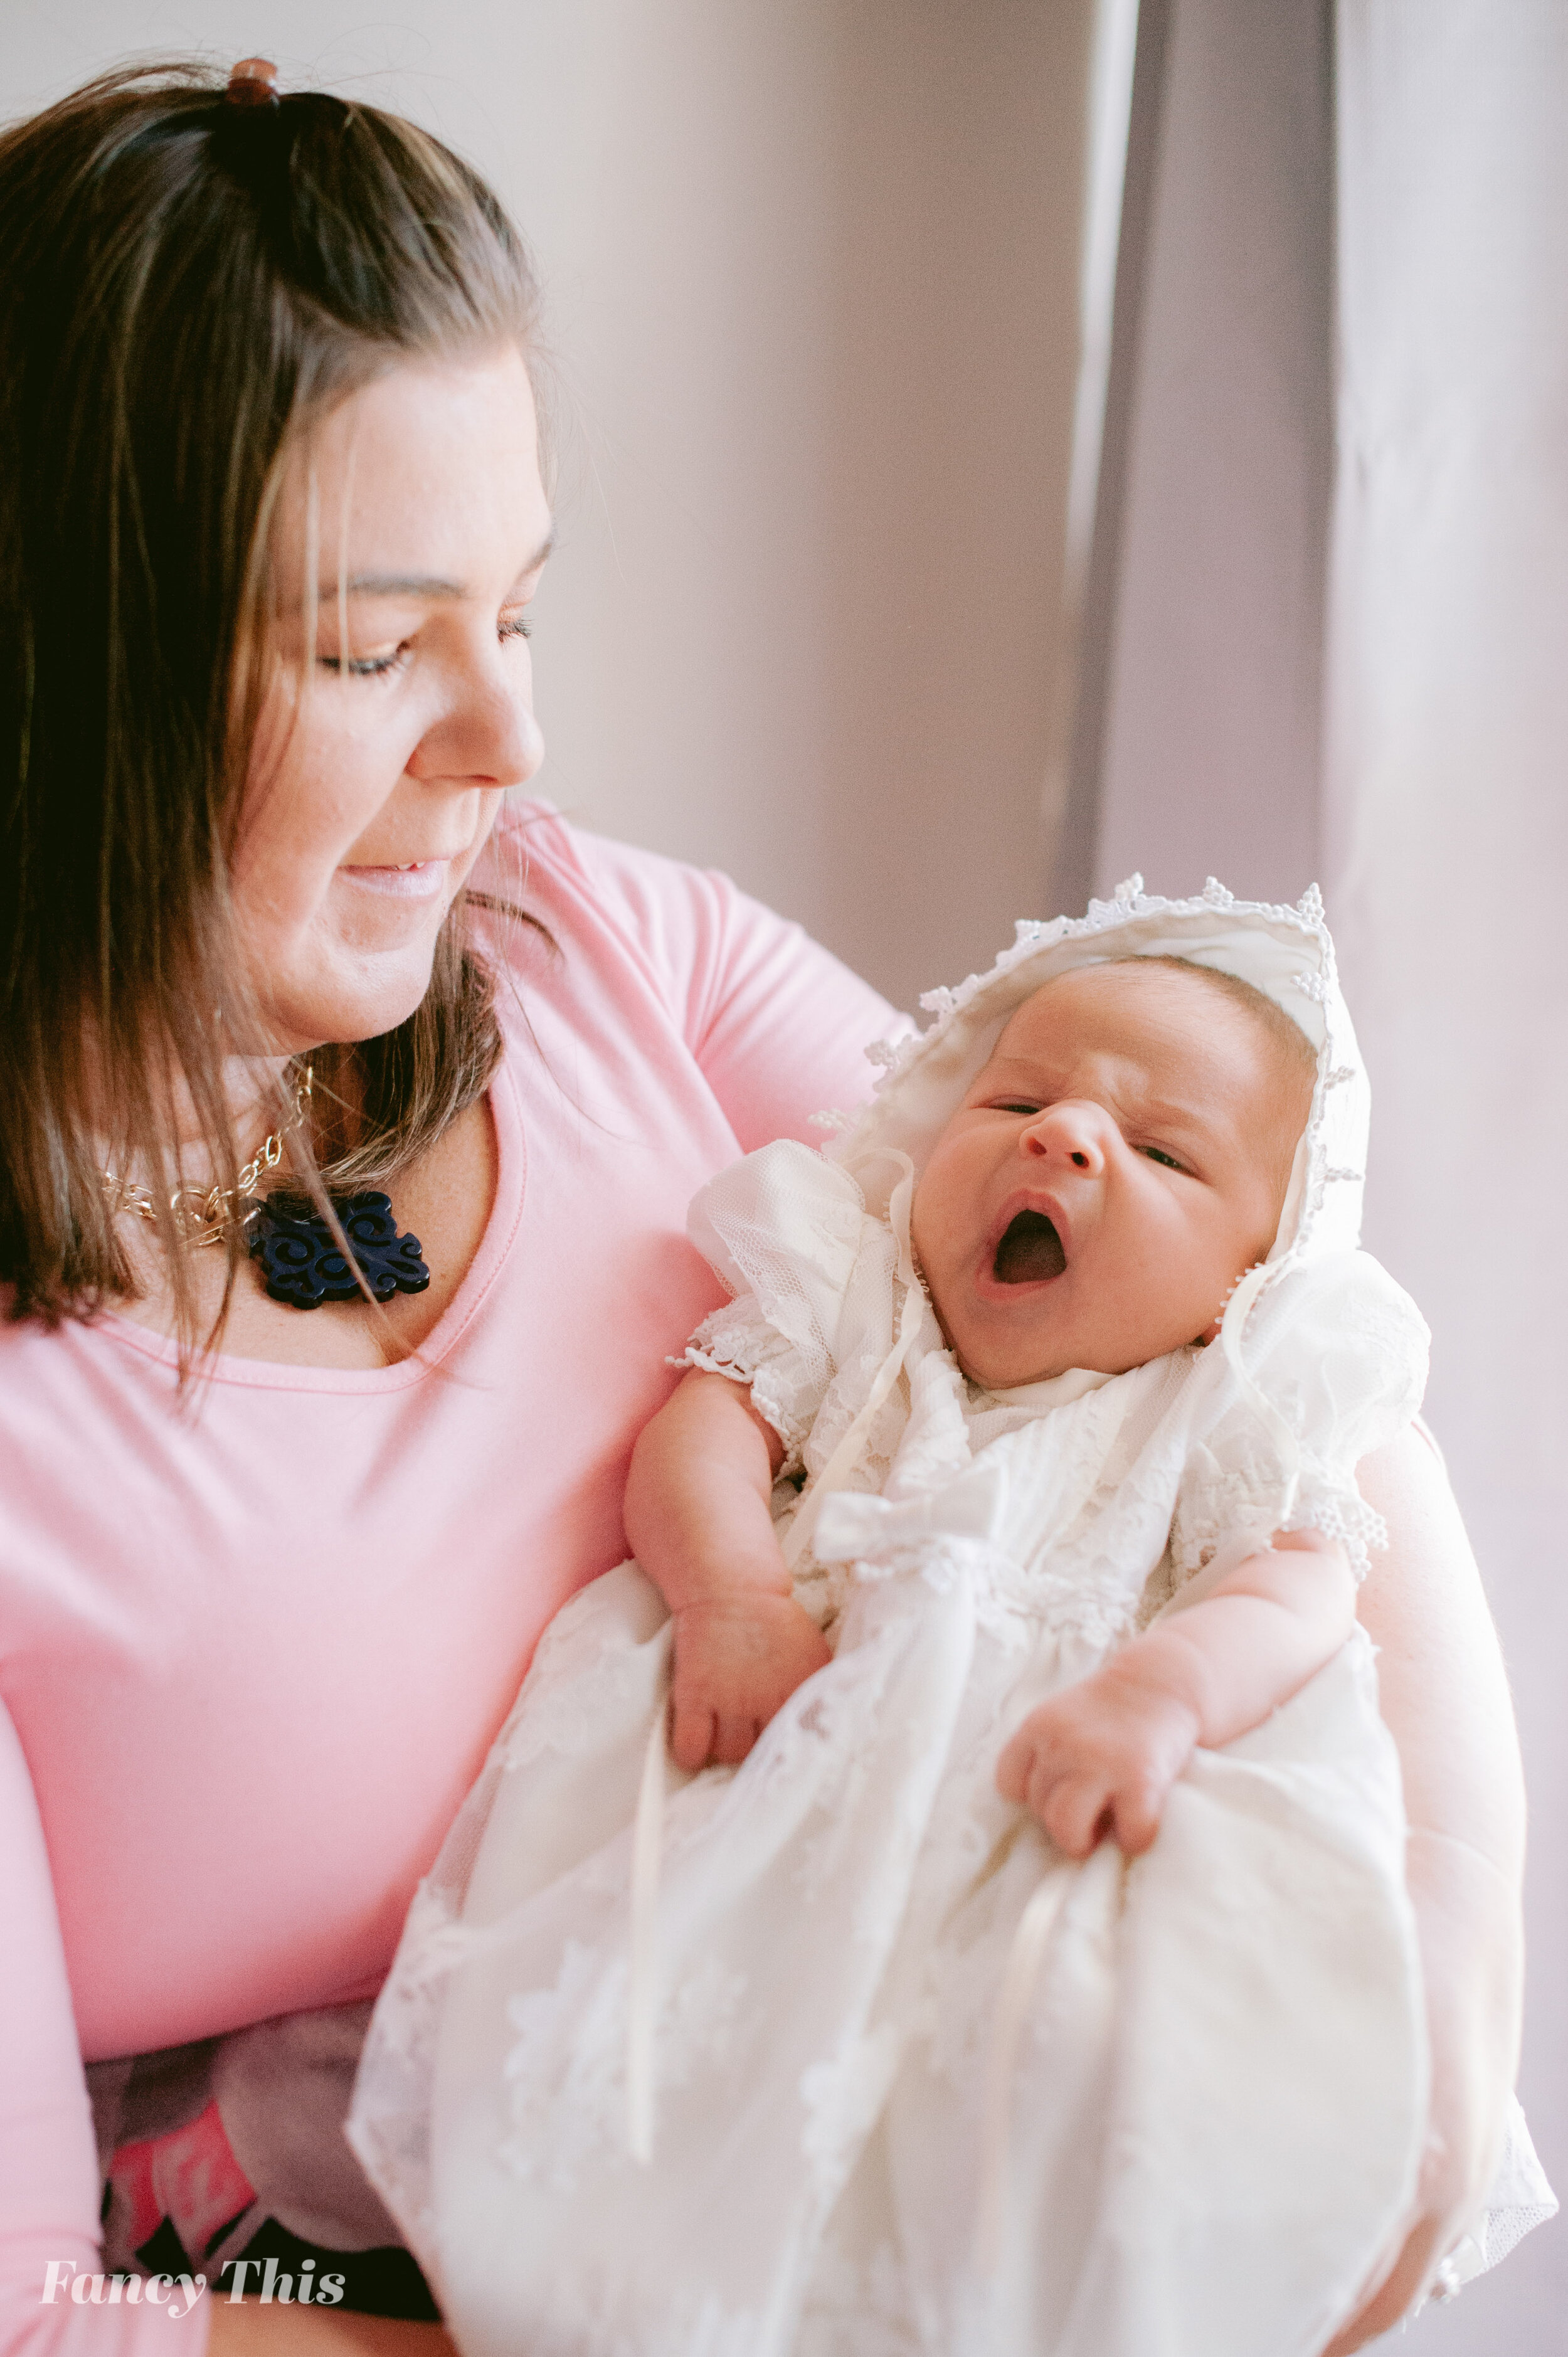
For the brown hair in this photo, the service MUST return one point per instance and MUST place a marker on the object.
(187, 288)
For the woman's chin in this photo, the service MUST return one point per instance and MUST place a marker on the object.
(372, 997)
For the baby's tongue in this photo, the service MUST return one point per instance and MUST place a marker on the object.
(1030, 1250)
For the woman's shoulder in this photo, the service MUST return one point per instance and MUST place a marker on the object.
(778, 1025)
(539, 859)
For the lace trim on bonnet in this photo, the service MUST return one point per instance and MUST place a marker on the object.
(1334, 1142)
(1285, 951)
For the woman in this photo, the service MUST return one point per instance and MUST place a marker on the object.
(268, 1579)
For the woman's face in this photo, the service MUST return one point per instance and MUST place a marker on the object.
(399, 707)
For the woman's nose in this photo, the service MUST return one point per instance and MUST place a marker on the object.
(489, 736)
(1071, 1132)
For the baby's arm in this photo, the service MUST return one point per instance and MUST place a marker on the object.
(1101, 1756)
(697, 1518)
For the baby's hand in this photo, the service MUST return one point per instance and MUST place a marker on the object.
(738, 1659)
(1100, 1758)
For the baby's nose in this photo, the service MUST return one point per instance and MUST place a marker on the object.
(1068, 1131)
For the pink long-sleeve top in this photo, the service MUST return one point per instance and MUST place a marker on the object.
(254, 1641)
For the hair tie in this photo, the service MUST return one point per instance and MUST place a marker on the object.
(253, 83)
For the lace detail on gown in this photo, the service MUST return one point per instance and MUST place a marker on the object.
(836, 1918)
(739, 1342)
(565, 2071)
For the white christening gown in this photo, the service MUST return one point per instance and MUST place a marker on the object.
(1217, 2098)
(918, 2082)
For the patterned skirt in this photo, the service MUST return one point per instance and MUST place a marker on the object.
(227, 2158)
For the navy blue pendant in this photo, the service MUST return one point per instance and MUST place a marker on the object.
(301, 1262)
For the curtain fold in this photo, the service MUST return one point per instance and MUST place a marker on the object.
(1196, 737)
(1446, 839)
(1327, 630)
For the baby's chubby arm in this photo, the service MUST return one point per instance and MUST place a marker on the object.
(697, 1518)
(1101, 1756)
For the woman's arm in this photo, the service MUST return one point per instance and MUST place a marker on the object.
(1445, 1699)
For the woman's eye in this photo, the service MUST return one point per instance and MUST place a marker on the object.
(377, 666)
(514, 626)
(1167, 1161)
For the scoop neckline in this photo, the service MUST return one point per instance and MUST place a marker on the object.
(495, 1247)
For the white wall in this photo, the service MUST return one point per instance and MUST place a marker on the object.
(810, 272)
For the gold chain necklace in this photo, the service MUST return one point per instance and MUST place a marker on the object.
(205, 1215)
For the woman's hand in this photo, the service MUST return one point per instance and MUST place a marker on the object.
(248, 2328)
(1444, 1698)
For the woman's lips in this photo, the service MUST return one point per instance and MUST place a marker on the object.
(420, 880)
(1029, 1251)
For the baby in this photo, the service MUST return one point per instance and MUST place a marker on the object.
(1113, 1169)
(1070, 1340)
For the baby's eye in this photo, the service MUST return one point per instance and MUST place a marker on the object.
(1167, 1161)
(1014, 1104)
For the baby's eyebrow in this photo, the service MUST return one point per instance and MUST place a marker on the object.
(999, 1073)
(1171, 1109)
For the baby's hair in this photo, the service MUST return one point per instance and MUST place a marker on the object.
(1288, 1036)
(1295, 1055)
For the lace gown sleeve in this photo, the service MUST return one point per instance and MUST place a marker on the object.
(1337, 1350)
(782, 1228)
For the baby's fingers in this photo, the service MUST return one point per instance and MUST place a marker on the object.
(1015, 1766)
(1136, 1811)
(733, 1738)
(1073, 1810)
(693, 1728)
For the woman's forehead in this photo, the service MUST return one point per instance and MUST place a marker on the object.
(429, 473)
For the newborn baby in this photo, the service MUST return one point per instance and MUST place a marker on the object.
(1118, 1164)
(921, 2060)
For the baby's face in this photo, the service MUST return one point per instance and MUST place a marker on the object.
(1120, 1161)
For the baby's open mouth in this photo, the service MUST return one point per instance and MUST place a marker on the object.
(1029, 1251)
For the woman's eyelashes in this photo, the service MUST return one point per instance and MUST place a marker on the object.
(388, 660)
(376, 666)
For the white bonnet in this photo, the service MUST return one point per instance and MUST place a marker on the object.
(1285, 952)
